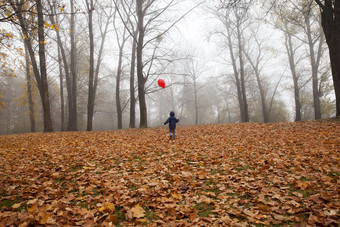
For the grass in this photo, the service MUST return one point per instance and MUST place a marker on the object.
(75, 168)
(205, 210)
(8, 203)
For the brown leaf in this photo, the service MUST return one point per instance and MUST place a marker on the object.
(138, 212)
(112, 218)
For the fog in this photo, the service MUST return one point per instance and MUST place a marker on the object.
(220, 65)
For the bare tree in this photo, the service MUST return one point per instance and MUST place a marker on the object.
(304, 16)
(291, 53)
(233, 20)
(257, 60)
(94, 67)
(72, 123)
(132, 123)
(90, 106)
(148, 21)
(194, 69)
(69, 61)
(293, 45)
(121, 39)
(315, 43)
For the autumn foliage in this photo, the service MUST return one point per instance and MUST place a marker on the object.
(252, 174)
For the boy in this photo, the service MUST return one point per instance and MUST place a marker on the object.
(172, 120)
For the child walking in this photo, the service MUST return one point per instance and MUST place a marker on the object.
(172, 120)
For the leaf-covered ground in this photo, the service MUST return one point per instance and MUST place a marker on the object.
(253, 174)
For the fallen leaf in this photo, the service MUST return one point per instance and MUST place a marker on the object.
(138, 212)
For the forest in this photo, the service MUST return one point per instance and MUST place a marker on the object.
(94, 64)
(86, 86)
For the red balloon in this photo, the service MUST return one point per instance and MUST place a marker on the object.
(161, 83)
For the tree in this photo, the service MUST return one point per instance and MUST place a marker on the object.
(141, 13)
(132, 123)
(62, 62)
(95, 66)
(29, 91)
(72, 123)
(315, 50)
(121, 39)
(291, 53)
(61, 88)
(284, 20)
(257, 59)
(91, 95)
(330, 21)
(193, 70)
(149, 20)
(302, 15)
(233, 18)
(40, 75)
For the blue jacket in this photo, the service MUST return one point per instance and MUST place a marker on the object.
(172, 120)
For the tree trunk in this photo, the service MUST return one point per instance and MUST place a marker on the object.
(90, 104)
(256, 69)
(263, 99)
(140, 77)
(334, 53)
(314, 66)
(118, 103)
(245, 117)
(330, 21)
(236, 75)
(93, 77)
(132, 85)
(72, 123)
(43, 74)
(119, 75)
(62, 101)
(66, 66)
(196, 102)
(290, 52)
(41, 77)
(29, 91)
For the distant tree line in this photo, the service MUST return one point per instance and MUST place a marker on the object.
(93, 65)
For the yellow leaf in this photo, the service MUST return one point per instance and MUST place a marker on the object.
(107, 207)
(56, 27)
(110, 206)
(177, 196)
(47, 25)
(2, 104)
